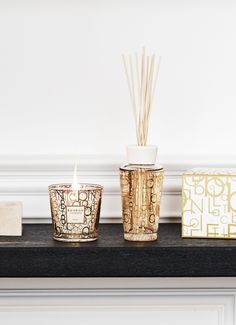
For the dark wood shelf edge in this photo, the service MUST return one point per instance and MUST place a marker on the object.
(36, 254)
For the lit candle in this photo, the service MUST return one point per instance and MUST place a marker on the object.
(75, 184)
(75, 210)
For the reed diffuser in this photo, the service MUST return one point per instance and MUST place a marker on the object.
(141, 180)
(141, 83)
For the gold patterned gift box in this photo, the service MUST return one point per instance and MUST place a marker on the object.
(209, 203)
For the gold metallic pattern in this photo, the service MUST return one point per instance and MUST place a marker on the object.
(209, 203)
(141, 190)
(75, 213)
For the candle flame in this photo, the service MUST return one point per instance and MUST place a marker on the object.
(75, 184)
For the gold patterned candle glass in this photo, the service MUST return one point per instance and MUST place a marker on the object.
(141, 188)
(75, 212)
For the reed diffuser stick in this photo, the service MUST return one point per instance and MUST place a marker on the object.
(141, 83)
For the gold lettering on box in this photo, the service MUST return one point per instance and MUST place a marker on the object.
(75, 214)
(209, 203)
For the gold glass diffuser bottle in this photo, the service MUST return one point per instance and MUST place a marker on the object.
(141, 187)
(141, 180)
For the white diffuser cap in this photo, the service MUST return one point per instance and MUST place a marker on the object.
(141, 155)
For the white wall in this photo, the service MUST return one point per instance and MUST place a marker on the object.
(106, 301)
(26, 178)
(62, 84)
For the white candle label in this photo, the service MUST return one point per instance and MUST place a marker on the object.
(75, 214)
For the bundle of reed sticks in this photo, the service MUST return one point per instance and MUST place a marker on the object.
(141, 73)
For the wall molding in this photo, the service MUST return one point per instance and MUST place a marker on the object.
(151, 302)
(209, 285)
(26, 178)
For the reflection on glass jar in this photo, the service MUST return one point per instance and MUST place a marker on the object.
(75, 212)
(141, 189)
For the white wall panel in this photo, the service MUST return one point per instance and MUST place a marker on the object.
(180, 316)
(112, 305)
(161, 301)
(62, 84)
(26, 178)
